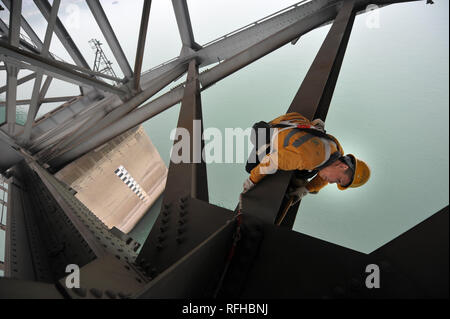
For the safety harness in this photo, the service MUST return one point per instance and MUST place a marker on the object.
(284, 125)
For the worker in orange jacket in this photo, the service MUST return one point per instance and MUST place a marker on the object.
(300, 145)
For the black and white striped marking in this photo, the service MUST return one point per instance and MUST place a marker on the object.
(123, 174)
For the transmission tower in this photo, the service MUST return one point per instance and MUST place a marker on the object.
(101, 62)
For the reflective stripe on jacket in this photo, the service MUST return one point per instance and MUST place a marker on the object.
(296, 150)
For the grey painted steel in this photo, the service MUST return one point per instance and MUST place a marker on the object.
(108, 32)
(26, 27)
(190, 177)
(11, 95)
(13, 40)
(107, 277)
(263, 247)
(53, 128)
(62, 34)
(18, 255)
(33, 109)
(143, 29)
(183, 224)
(181, 10)
(23, 289)
(45, 100)
(53, 68)
(3, 27)
(245, 35)
(204, 264)
(268, 197)
(10, 155)
(44, 89)
(322, 76)
(206, 78)
(20, 81)
(94, 126)
(14, 23)
(413, 265)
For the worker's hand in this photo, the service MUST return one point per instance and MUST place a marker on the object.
(319, 124)
(298, 193)
(248, 184)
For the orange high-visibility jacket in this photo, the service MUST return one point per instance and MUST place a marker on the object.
(296, 150)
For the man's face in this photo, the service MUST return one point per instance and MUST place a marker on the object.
(335, 173)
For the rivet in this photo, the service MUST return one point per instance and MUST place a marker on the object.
(96, 292)
(180, 230)
(110, 294)
(161, 238)
(124, 295)
(159, 246)
(142, 262)
(179, 240)
(163, 229)
(181, 221)
(80, 292)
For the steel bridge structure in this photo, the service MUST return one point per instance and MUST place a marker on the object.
(187, 253)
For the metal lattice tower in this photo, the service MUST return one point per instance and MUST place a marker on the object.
(48, 227)
(101, 62)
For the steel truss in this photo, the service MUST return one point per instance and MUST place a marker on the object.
(195, 249)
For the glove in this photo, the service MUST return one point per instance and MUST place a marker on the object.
(248, 184)
(319, 124)
(298, 193)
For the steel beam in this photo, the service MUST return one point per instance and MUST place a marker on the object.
(314, 95)
(94, 125)
(108, 32)
(268, 197)
(235, 43)
(141, 43)
(13, 40)
(19, 81)
(27, 28)
(44, 89)
(62, 34)
(14, 23)
(229, 45)
(184, 24)
(54, 68)
(11, 94)
(207, 79)
(34, 104)
(45, 100)
(3, 28)
(189, 177)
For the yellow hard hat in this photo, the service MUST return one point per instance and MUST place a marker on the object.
(361, 174)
